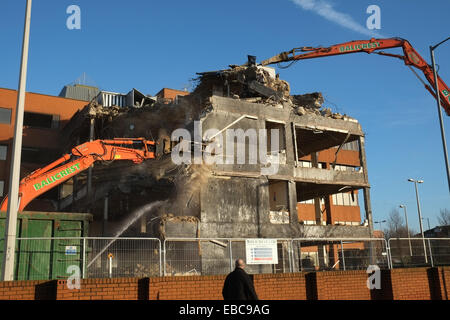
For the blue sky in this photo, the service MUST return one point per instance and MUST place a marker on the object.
(149, 45)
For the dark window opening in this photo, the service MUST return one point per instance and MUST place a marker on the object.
(38, 156)
(309, 141)
(3, 152)
(5, 115)
(40, 120)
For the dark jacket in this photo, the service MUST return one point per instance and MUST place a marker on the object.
(238, 286)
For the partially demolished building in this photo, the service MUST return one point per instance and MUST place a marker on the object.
(320, 165)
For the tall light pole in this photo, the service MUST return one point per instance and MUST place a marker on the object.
(407, 229)
(420, 217)
(13, 195)
(441, 122)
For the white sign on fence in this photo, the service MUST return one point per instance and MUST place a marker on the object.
(71, 250)
(261, 251)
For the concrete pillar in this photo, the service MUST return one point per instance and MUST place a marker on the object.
(105, 216)
(291, 150)
(366, 194)
(366, 190)
(317, 205)
(323, 255)
(328, 210)
(292, 194)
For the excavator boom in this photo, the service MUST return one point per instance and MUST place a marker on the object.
(411, 58)
(80, 159)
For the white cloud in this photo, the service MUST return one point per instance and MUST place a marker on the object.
(327, 11)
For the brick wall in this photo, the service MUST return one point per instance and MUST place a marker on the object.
(282, 286)
(397, 284)
(27, 290)
(186, 288)
(342, 285)
(104, 289)
(416, 284)
(444, 277)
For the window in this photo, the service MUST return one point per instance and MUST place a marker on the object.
(41, 120)
(345, 199)
(38, 156)
(5, 115)
(3, 152)
(2, 186)
(279, 127)
(353, 145)
(278, 192)
(345, 168)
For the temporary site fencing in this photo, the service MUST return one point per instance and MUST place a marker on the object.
(88, 257)
(413, 252)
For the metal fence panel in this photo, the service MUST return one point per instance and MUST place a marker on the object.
(50, 258)
(213, 256)
(315, 254)
(122, 257)
(190, 256)
(416, 252)
(284, 257)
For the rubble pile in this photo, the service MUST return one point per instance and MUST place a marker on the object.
(242, 82)
(258, 84)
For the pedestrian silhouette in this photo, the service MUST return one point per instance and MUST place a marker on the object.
(238, 285)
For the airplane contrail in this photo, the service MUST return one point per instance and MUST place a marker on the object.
(326, 10)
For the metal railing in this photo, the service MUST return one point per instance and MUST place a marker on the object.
(55, 258)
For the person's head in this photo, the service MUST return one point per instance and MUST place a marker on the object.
(239, 263)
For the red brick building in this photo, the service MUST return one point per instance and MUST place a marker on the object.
(44, 118)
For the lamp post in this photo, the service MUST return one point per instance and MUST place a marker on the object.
(420, 216)
(444, 143)
(13, 193)
(407, 229)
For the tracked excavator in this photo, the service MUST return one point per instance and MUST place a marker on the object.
(410, 57)
(79, 159)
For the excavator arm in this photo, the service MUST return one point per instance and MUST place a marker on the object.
(411, 58)
(80, 159)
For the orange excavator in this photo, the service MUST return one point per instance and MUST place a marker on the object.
(411, 58)
(80, 159)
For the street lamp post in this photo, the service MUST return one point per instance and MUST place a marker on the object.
(407, 229)
(420, 216)
(441, 122)
(13, 193)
